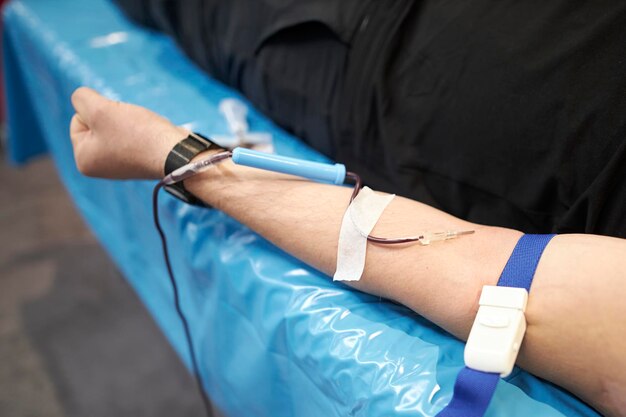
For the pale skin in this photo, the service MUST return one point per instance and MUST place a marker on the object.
(576, 312)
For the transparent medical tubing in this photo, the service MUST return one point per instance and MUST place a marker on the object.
(426, 238)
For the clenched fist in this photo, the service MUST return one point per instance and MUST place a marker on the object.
(119, 140)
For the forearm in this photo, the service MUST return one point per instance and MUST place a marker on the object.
(304, 219)
(443, 281)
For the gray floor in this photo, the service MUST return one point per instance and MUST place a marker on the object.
(74, 338)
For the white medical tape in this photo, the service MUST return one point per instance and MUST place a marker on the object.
(358, 221)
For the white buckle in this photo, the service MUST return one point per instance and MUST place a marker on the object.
(498, 330)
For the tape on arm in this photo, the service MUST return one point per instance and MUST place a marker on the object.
(358, 221)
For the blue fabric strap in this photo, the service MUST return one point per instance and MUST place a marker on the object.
(520, 269)
(473, 389)
(472, 393)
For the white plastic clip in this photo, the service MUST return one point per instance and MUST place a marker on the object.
(236, 114)
(498, 330)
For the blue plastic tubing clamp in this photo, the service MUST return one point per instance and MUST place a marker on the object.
(316, 171)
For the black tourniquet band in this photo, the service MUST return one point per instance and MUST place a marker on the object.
(181, 155)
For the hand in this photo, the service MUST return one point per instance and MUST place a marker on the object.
(119, 140)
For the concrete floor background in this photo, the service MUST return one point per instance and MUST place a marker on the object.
(74, 338)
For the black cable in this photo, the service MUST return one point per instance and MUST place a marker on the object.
(183, 319)
(155, 210)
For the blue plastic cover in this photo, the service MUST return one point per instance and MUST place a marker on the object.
(275, 338)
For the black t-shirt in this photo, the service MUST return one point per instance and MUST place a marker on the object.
(509, 113)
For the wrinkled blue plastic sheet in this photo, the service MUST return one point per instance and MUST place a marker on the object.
(274, 337)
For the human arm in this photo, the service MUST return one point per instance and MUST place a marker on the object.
(576, 295)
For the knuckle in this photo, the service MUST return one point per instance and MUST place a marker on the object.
(82, 168)
(78, 94)
(100, 112)
(84, 165)
(87, 170)
(75, 122)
